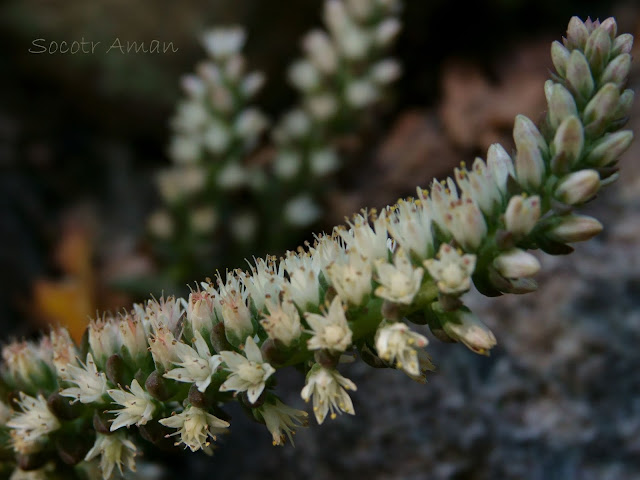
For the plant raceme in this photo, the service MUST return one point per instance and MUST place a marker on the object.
(164, 371)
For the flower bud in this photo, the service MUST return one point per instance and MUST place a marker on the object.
(157, 386)
(561, 105)
(468, 329)
(578, 187)
(522, 214)
(516, 263)
(579, 75)
(598, 48)
(609, 148)
(559, 57)
(569, 140)
(610, 27)
(575, 228)
(525, 131)
(603, 105)
(500, 165)
(529, 166)
(577, 33)
(624, 104)
(617, 71)
(622, 44)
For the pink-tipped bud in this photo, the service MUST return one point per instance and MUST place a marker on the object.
(617, 71)
(575, 228)
(609, 148)
(522, 214)
(516, 263)
(579, 74)
(578, 187)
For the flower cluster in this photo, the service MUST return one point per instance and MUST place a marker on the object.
(344, 72)
(167, 368)
(215, 129)
(220, 179)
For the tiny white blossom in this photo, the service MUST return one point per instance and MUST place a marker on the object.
(195, 426)
(138, 406)
(395, 342)
(115, 450)
(350, 274)
(91, 384)
(330, 331)
(282, 323)
(195, 365)
(329, 392)
(247, 373)
(452, 270)
(224, 42)
(282, 420)
(398, 282)
(33, 422)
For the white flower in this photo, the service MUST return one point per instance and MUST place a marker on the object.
(330, 331)
(410, 225)
(303, 75)
(104, 338)
(281, 420)
(114, 450)
(303, 286)
(350, 275)
(234, 310)
(247, 373)
(195, 426)
(138, 406)
(385, 71)
(33, 422)
(224, 42)
(301, 211)
(323, 161)
(166, 312)
(161, 346)
(201, 311)
(134, 333)
(91, 384)
(329, 392)
(64, 351)
(480, 185)
(361, 93)
(265, 281)
(398, 282)
(29, 362)
(452, 271)
(196, 365)
(320, 51)
(282, 323)
(395, 342)
(369, 241)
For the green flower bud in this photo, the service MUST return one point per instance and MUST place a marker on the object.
(602, 106)
(467, 328)
(579, 75)
(624, 104)
(622, 44)
(610, 26)
(575, 228)
(598, 48)
(569, 140)
(609, 148)
(561, 105)
(559, 57)
(578, 187)
(577, 34)
(617, 71)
